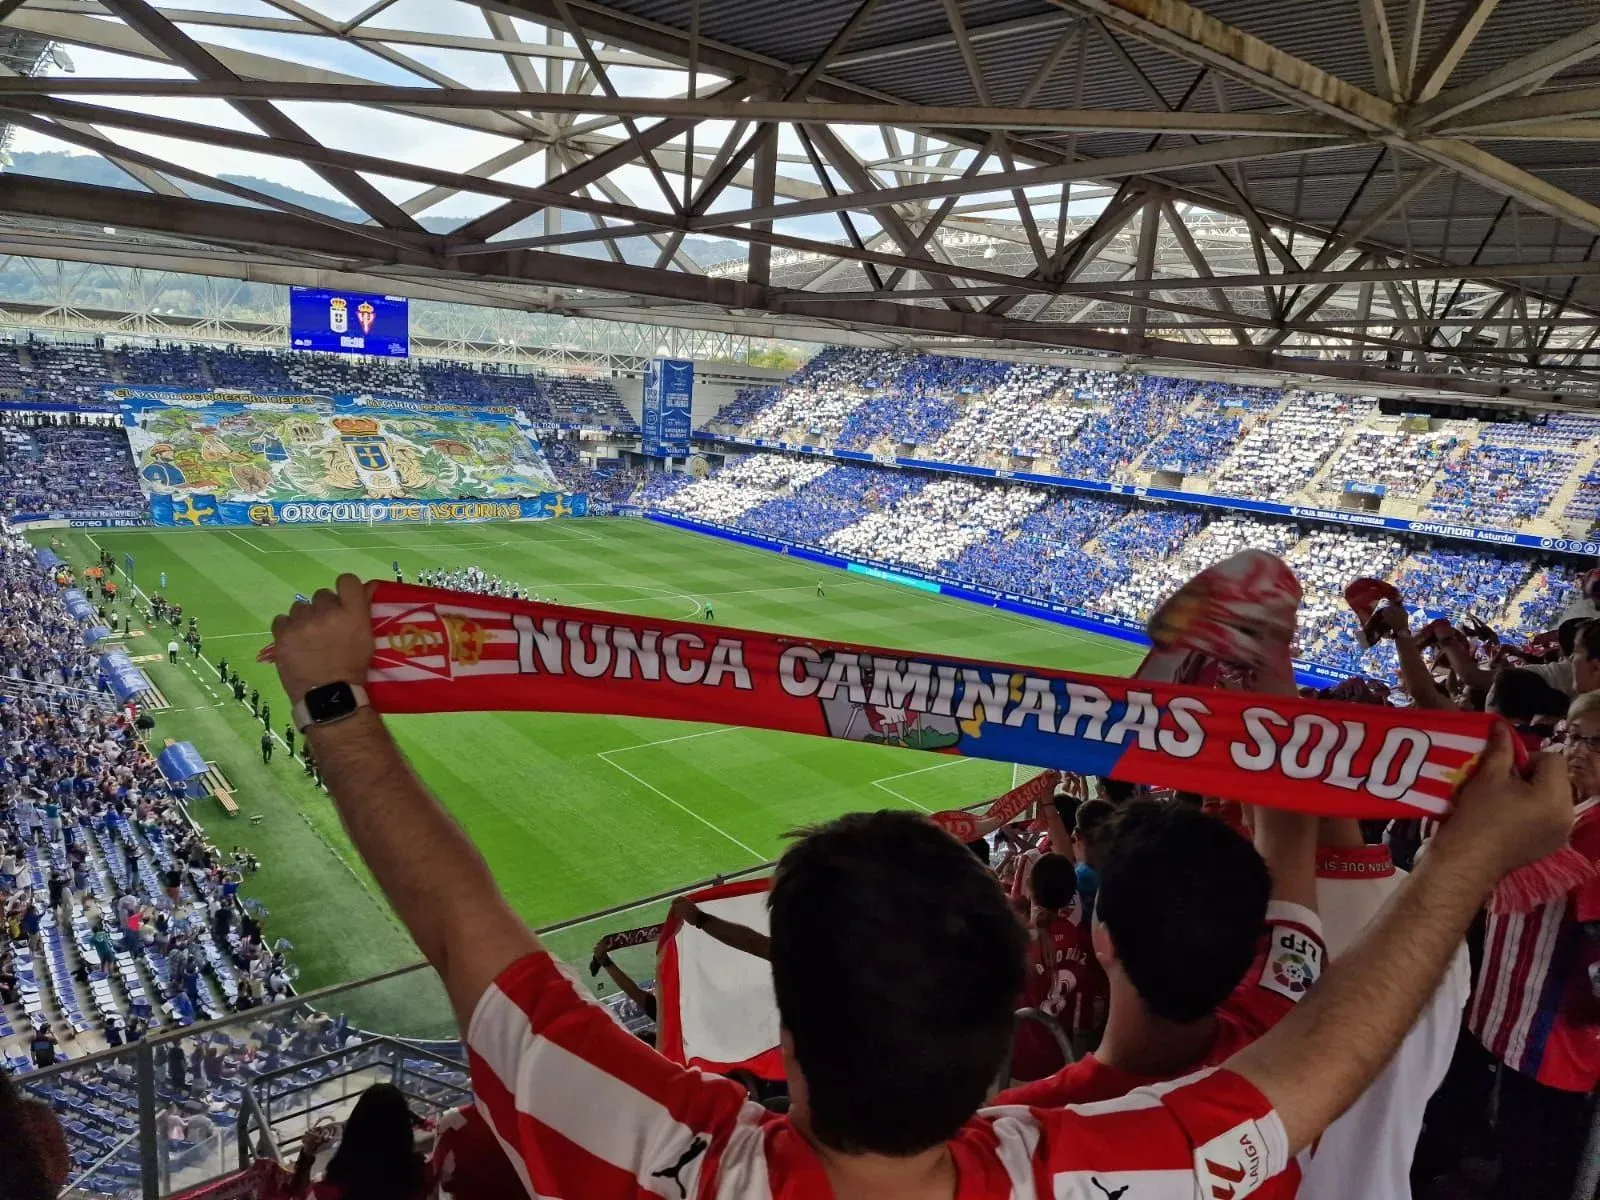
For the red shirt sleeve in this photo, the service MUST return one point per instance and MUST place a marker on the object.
(1291, 958)
(589, 1109)
(1214, 1126)
(1586, 841)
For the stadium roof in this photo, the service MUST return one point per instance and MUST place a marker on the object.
(1387, 190)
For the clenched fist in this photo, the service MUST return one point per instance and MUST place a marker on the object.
(325, 640)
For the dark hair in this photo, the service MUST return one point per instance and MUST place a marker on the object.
(1184, 899)
(980, 849)
(22, 1170)
(1054, 881)
(1567, 633)
(1095, 819)
(897, 962)
(1522, 695)
(1119, 791)
(377, 1156)
(1588, 640)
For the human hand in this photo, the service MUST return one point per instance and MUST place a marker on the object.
(685, 910)
(1504, 820)
(328, 640)
(1394, 619)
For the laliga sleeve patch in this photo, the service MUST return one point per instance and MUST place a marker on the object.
(1234, 1164)
(1294, 962)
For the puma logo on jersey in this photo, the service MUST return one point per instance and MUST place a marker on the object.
(1107, 1192)
(695, 1150)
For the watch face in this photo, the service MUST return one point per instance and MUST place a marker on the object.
(330, 702)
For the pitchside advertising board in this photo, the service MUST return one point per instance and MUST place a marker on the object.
(349, 322)
(668, 399)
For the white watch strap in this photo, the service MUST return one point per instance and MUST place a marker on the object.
(302, 715)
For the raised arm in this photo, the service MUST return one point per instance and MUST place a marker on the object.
(624, 981)
(741, 937)
(431, 873)
(1318, 1059)
(1414, 673)
(1286, 841)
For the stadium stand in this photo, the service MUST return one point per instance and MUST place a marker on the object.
(1277, 458)
(744, 485)
(1401, 463)
(936, 523)
(67, 468)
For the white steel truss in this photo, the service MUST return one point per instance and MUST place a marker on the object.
(1395, 203)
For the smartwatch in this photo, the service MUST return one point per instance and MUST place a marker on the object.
(329, 703)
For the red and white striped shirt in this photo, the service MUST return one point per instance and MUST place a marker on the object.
(587, 1112)
(1534, 1008)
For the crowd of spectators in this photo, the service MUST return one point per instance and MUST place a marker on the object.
(1500, 485)
(832, 500)
(1032, 413)
(56, 463)
(733, 491)
(936, 523)
(1401, 463)
(1131, 414)
(1276, 459)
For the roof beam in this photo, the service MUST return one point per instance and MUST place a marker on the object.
(721, 106)
(1232, 150)
(1452, 47)
(184, 51)
(1497, 174)
(49, 198)
(1186, 31)
(1531, 69)
(1380, 49)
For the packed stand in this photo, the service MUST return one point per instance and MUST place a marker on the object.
(167, 364)
(1155, 576)
(936, 523)
(67, 467)
(832, 500)
(741, 486)
(746, 403)
(1550, 592)
(900, 419)
(1401, 463)
(1459, 583)
(1044, 556)
(1133, 412)
(1585, 503)
(1500, 484)
(332, 375)
(820, 397)
(262, 371)
(1279, 457)
(574, 400)
(1196, 445)
(1325, 562)
(67, 372)
(1032, 413)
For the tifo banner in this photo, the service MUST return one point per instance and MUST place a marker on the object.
(446, 652)
(248, 449)
(200, 509)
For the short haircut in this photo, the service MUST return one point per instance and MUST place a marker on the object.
(1522, 695)
(1584, 706)
(896, 961)
(1588, 640)
(1053, 881)
(1095, 819)
(1119, 791)
(1184, 899)
(1567, 633)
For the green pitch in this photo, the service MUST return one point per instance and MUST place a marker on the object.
(574, 813)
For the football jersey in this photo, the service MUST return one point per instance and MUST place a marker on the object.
(1367, 1152)
(1065, 981)
(586, 1112)
(1534, 1007)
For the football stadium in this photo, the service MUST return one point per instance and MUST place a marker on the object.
(881, 599)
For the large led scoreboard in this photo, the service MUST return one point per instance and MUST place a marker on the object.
(349, 322)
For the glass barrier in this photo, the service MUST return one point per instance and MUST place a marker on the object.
(184, 1107)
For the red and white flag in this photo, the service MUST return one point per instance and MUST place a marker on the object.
(715, 1006)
